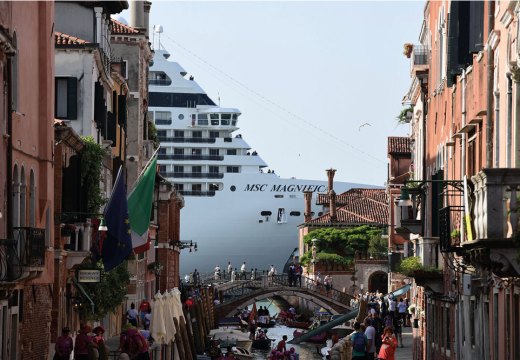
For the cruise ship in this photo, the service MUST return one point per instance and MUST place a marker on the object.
(236, 209)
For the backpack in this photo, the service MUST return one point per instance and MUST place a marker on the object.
(359, 342)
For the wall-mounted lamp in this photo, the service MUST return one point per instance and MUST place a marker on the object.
(102, 225)
(404, 198)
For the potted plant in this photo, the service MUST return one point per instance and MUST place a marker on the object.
(407, 50)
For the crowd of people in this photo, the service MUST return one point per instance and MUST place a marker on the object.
(381, 331)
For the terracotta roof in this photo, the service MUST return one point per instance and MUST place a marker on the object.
(64, 39)
(362, 206)
(346, 197)
(120, 28)
(399, 145)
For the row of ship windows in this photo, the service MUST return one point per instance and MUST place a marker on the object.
(194, 134)
(178, 169)
(198, 151)
(281, 216)
(165, 118)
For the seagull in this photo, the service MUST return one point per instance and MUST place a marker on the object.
(365, 124)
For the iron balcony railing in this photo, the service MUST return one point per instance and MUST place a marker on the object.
(193, 175)
(163, 121)
(186, 139)
(420, 55)
(190, 157)
(26, 250)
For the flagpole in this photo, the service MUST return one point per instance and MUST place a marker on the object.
(144, 169)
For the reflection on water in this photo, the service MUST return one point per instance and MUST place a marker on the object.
(307, 351)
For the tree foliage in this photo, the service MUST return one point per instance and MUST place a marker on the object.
(339, 246)
(92, 156)
(108, 294)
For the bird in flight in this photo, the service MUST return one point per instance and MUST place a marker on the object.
(365, 124)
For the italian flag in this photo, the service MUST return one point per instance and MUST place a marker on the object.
(140, 203)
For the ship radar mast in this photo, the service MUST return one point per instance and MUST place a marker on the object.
(157, 29)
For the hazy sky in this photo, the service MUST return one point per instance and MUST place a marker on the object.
(305, 75)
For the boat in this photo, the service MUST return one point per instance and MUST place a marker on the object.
(262, 344)
(297, 324)
(231, 337)
(234, 204)
(242, 354)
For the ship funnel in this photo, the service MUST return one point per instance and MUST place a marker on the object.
(307, 215)
(330, 176)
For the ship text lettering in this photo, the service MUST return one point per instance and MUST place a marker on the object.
(286, 188)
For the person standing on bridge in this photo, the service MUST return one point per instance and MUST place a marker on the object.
(243, 271)
(217, 272)
(298, 270)
(229, 269)
(233, 274)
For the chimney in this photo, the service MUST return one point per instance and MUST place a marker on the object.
(146, 18)
(332, 198)
(307, 215)
(137, 14)
(330, 176)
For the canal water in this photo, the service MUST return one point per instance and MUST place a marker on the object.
(307, 351)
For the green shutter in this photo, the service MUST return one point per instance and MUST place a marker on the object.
(72, 98)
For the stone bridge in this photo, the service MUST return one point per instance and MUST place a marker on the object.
(239, 294)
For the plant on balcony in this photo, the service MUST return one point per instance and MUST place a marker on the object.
(409, 265)
(92, 156)
(156, 267)
(407, 50)
(405, 116)
(107, 295)
(152, 134)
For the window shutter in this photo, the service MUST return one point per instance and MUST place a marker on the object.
(476, 26)
(99, 105)
(452, 66)
(72, 98)
(111, 128)
(122, 109)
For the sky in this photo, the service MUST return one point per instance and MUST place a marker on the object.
(306, 76)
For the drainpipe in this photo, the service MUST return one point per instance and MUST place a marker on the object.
(490, 95)
(9, 155)
(509, 117)
(463, 139)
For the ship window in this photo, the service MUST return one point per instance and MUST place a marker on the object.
(233, 122)
(213, 169)
(178, 151)
(213, 116)
(235, 116)
(214, 152)
(232, 151)
(214, 134)
(160, 99)
(278, 196)
(196, 169)
(161, 133)
(178, 169)
(196, 134)
(295, 213)
(162, 169)
(266, 213)
(159, 78)
(178, 133)
(214, 122)
(181, 116)
(162, 150)
(163, 118)
(282, 218)
(232, 169)
(203, 119)
(226, 116)
(213, 187)
(196, 187)
(179, 186)
(224, 122)
(196, 151)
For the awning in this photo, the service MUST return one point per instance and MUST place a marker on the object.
(82, 290)
(400, 291)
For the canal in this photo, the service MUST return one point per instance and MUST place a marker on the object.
(307, 351)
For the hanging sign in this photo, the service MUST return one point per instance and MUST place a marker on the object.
(89, 276)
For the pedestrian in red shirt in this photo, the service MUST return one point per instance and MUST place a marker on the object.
(64, 345)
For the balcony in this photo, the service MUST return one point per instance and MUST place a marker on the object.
(190, 157)
(193, 175)
(26, 253)
(186, 140)
(419, 63)
(495, 222)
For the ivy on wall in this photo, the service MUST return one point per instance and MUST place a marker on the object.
(92, 156)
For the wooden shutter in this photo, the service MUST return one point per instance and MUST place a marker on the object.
(476, 26)
(72, 98)
(122, 110)
(452, 66)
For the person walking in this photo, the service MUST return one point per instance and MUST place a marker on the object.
(359, 343)
(387, 351)
(83, 343)
(132, 315)
(392, 306)
(64, 345)
(298, 270)
(243, 271)
(370, 334)
(401, 308)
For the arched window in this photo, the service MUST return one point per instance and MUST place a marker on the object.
(16, 198)
(32, 200)
(23, 198)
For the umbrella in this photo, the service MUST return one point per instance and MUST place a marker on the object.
(168, 317)
(177, 304)
(157, 325)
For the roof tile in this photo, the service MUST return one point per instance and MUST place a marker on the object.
(399, 145)
(118, 27)
(64, 39)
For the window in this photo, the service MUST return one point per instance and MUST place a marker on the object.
(161, 133)
(203, 119)
(295, 213)
(66, 98)
(213, 187)
(196, 187)
(158, 78)
(178, 151)
(225, 119)
(214, 134)
(214, 119)
(196, 134)
(232, 151)
(124, 69)
(214, 152)
(161, 99)
(163, 118)
(196, 151)
(213, 169)
(196, 169)
(179, 187)
(162, 169)
(178, 133)
(14, 77)
(181, 116)
(232, 169)
(282, 218)
(178, 169)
